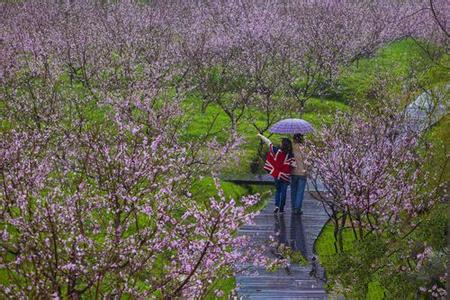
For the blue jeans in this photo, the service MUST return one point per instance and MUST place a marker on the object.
(298, 184)
(280, 194)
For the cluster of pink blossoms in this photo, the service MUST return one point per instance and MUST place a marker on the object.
(96, 169)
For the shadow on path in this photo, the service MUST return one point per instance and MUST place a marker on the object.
(298, 232)
(296, 238)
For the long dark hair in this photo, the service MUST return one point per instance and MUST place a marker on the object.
(286, 145)
(299, 138)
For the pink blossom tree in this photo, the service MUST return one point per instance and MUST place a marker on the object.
(296, 49)
(95, 214)
(380, 190)
(372, 167)
(95, 196)
(95, 171)
(327, 35)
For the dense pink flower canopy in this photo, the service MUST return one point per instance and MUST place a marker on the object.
(372, 167)
(380, 189)
(96, 173)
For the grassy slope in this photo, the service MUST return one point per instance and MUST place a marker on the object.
(397, 59)
(325, 249)
(439, 137)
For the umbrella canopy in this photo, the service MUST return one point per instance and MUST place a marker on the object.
(291, 126)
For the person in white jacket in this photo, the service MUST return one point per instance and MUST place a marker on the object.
(299, 175)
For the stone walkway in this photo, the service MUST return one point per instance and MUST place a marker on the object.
(299, 232)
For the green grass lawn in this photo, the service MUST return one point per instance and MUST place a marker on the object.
(325, 249)
(439, 137)
(397, 61)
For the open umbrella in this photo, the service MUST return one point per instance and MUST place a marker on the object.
(291, 126)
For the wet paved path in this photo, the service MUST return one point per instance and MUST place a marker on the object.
(299, 232)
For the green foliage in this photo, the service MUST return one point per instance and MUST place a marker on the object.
(398, 59)
(324, 245)
(320, 111)
(294, 256)
(434, 228)
(436, 73)
(226, 285)
(351, 264)
(375, 291)
(439, 139)
(202, 121)
(214, 121)
(376, 267)
(205, 189)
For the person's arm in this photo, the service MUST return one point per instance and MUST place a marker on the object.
(272, 148)
(264, 139)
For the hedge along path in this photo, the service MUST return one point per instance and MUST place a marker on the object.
(299, 232)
